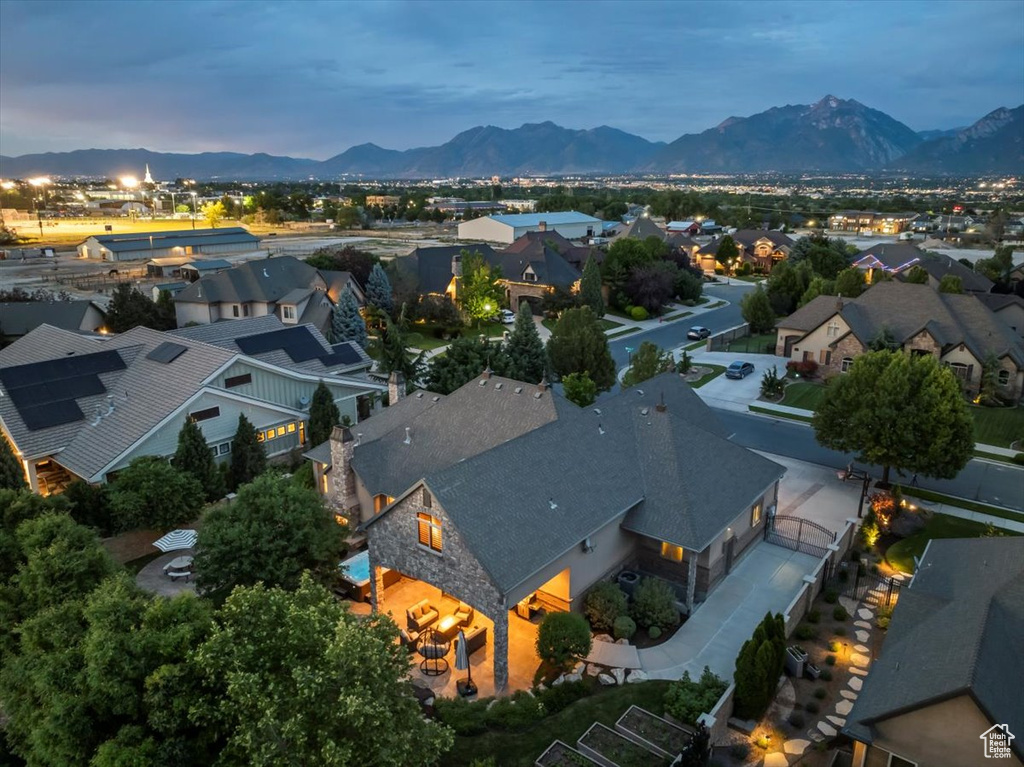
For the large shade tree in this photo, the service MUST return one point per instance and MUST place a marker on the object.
(150, 493)
(466, 358)
(578, 345)
(479, 294)
(898, 411)
(756, 309)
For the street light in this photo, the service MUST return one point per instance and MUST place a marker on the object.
(193, 210)
(39, 182)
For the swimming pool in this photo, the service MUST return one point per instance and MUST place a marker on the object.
(356, 569)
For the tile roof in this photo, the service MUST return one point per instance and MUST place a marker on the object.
(956, 630)
(176, 238)
(19, 317)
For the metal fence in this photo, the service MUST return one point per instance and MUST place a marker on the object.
(799, 534)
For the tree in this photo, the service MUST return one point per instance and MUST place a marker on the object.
(590, 288)
(323, 415)
(465, 359)
(898, 411)
(786, 284)
(193, 457)
(563, 638)
(988, 391)
(653, 285)
(130, 308)
(393, 352)
(346, 322)
(12, 473)
(688, 286)
(917, 276)
(605, 602)
(479, 295)
(727, 251)
(294, 678)
(756, 309)
(272, 532)
(90, 505)
(214, 213)
(827, 256)
(850, 283)
(378, 290)
(950, 283)
(648, 361)
(758, 667)
(998, 267)
(819, 286)
(358, 263)
(525, 357)
(578, 345)
(579, 389)
(248, 458)
(150, 493)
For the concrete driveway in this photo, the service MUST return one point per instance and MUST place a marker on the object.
(735, 394)
(765, 580)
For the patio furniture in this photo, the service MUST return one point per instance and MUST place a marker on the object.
(179, 563)
(448, 627)
(408, 638)
(463, 614)
(466, 687)
(476, 638)
(420, 616)
(433, 648)
(176, 540)
(175, 575)
(526, 607)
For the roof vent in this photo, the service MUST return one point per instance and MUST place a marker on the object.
(661, 407)
(552, 504)
(96, 418)
(597, 410)
(419, 395)
(645, 411)
(408, 437)
(640, 392)
(537, 395)
(265, 272)
(437, 399)
(498, 385)
(110, 404)
(518, 390)
(600, 429)
(359, 438)
(483, 382)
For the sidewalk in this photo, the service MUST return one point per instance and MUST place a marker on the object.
(683, 313)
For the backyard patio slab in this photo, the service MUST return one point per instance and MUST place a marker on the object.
(614, 655)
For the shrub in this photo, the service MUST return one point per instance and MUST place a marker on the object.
(516, 712)
(654, 604)
(554, 699)
(638, 313)
(831, 596)
(1018, 458)
(821, 693)
(825, 675)
(833, 646)
(463, 717)
(563, 638)
(686, 700)
(603, 604)
(814, 616)
(840, 631)
(654, 632)
(624, 627)
(831, 660)
(758, 667)
(811, 707)
(740, 751)
(804, 632)
(796, 719)
(839, 613)
(803, 368)
(771, 384)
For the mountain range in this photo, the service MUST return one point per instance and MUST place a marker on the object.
(832, 135)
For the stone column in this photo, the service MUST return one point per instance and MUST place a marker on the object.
(342, 486)
(396, 387)
(376, 588)
(691, 579)
(500, 648)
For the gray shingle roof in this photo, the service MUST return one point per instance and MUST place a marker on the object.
(938, 265)
(810, 315)
(19, 317)
(956, 630)
(641, 228)
(892, 255)
(175, 238)
(265, 280)
(431, 268)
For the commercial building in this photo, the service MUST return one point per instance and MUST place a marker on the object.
(509, 228)
(136, 246)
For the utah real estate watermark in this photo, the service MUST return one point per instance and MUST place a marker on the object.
(997, 742)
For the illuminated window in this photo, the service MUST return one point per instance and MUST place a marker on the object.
(380, 502)
(340, 519)
(280, 431)
(671, 551)
(270, 433)
(323, 484)
(291, 428)
(259, 436)
(429, 531)
(755, 514)
(302, 431)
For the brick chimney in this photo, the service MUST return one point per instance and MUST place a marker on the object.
(396, 387)
(543, 226)
(342, 487)
(543, 386)
(486, 375)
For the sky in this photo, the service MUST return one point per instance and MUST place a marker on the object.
(311, 79)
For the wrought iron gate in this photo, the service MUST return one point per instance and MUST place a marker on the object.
(799, 534)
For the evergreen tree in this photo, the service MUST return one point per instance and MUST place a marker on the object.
(649, 361)
(465, 359)
(394, 355)
(950, 283)
(12, 474)
(727, 251)
(850, 283)
(579, 389)
(525, 357)
(590, 287)
(248, 459)
(756, 309)
(323, 415)
(578, 345)
(193, 457)
(346, 322)
(378, 290)
(916, 276)
(129, 308)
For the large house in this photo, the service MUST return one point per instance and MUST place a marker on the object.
(76, 406)
(284, 286)
(957, 329)
(1008, 307)
(504, 494)
(870, 221)
(509, 228)
(19, 318)
(167, 244)
(946, 688)
(760, 248)
(898, 259)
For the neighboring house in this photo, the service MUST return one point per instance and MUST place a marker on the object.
(76, 406)
(168, 244)
(174, 288)
(503, 494)
(284, 286)
(891, 257)
(870, 221)
(167, 267)
(431, 270)
(1007, 307)
(957, 329)
(760, 248)
(509, 228)
(640, 229)
(19, 318)
(938, 265)
(923, 223)
(947, 685)
(689, 228)
(196, 270)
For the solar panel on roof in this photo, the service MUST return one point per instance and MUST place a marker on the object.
(68, 388)
(167, 352)
(51, 414)
(297, 342)
(342, 354)
(49, 371)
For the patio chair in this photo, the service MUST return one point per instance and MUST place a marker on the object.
(463, 614)
(476, 638)
(420, 616)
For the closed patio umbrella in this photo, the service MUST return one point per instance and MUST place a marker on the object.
(462, 664)
(177, 539)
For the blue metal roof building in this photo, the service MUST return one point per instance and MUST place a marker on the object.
(162, 244)
(509, 227)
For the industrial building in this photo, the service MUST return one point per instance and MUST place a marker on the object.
(136, 246)
(509, 228)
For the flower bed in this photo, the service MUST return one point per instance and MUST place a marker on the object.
(560, 755)
(668, 738)
(609, 748)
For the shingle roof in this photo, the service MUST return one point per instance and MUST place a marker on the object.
(938, 265)
(997, 301)
(547, 264)
(810, 315)
(265, 280)
(746, 239)
(892, 255)
(431, 268)
(641, 228)
(179, 238)
(19, 317)
(207, 265)
(956, 630)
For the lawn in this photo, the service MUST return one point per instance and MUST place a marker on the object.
(803, 395)
(716, 370)
(521, 749)
(605, 323)
(998, 425)
(901, 554)
(424, 341)
(756, 344)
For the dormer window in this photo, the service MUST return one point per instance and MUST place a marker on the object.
(288, 313)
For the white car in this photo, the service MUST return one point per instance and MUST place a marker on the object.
(508, 317)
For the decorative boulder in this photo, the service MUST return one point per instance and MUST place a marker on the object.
(636, 675)
(573, 677)
(619, 674)
(593, 670)
(579, 668)
(605, 679)
(603, 638)
(558, 681)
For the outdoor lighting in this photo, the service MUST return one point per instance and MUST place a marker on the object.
(129, 182)
(7, 185)
(39, 181)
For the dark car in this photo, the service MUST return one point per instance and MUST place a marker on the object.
(739, 370)
(698, 333)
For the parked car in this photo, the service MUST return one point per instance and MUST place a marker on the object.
(508, 317)
(698, 333)
(739, 370)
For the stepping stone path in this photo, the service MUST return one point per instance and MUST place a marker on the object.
(860, 661)
(856, 683)
(865, 614)
(862, 625)
(848, 694)
(796, 746)
(844, 707)
(862, 635)
(838, 721)
(861, 648)
(826, 729)
(776, 759)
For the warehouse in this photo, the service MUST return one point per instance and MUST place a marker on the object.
(509, 228)
(183, 242)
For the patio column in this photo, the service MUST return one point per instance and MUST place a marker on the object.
(500, 649)
(691, 580)
(377, 588)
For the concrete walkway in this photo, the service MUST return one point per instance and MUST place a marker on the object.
(613, 655)
(765, 580)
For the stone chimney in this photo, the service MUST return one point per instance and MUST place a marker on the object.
(486, 375)
(543, 386)
(396, 387)
(839, 302)
(543, 226)
(342, 487)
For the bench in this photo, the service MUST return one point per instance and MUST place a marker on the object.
(176, 574)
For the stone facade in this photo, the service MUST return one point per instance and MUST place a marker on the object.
(923, 343)
(393, 542)
(342, 496)
(848, 346)
(396, 387)
(517, 291)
